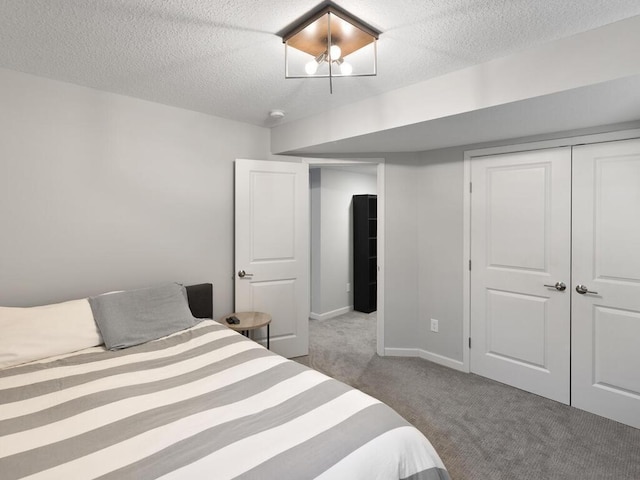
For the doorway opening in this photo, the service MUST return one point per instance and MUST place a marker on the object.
(333, 185)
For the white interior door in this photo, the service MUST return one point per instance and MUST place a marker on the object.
(605, 372)
(272, 248)
(520, 244)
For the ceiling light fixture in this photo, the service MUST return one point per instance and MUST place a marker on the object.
(317, 46)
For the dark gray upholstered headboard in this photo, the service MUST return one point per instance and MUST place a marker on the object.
(201, 300)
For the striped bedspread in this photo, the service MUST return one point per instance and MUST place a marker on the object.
(203, 403)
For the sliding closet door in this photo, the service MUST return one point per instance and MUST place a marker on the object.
(605, 374)
(520, 253)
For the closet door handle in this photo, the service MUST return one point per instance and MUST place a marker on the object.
(582, 289)
(560, 286)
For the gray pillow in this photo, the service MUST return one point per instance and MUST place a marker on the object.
(136, 316)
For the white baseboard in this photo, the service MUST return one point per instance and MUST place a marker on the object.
(331, 314)
(432, 357)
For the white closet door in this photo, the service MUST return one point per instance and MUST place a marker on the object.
(605, 372)
(520, 242)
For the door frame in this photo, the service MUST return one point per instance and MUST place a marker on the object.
(469, 155)
(346, 162)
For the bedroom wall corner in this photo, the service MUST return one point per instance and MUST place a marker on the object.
(440, 239)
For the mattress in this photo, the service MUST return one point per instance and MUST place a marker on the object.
(202, 403)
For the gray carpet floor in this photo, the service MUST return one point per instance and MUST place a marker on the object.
(482, 429)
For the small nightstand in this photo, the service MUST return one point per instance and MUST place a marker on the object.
(248, 321)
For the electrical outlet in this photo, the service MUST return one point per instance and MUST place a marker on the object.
(434, 325)
(348, 287)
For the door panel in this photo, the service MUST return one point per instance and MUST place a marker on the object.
(517, 195)
(527, 346)
(606, 259)
(279, 299)
(272, 247)
(615, 335)
(520, 242)
(273, 221)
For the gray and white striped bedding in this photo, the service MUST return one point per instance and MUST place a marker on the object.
(202, 403)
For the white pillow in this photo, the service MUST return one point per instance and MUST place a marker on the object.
(28, 334)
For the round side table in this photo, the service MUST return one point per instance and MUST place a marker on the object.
(249, 321)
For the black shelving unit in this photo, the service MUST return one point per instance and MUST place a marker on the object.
(365, 260)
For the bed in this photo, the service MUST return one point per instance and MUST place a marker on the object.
(203, 402)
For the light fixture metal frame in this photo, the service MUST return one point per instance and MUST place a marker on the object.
(329, 8)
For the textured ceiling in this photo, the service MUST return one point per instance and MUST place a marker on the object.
(224, 58)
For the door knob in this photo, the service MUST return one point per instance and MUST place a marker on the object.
(242, 274)
(582, 289)
(560, 286)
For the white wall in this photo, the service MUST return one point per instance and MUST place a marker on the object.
(334, 235)
(440, 262)
(401, 250)
(101, 192)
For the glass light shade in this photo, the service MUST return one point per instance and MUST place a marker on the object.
(335, 52)
(311, 67)
(346, 68)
